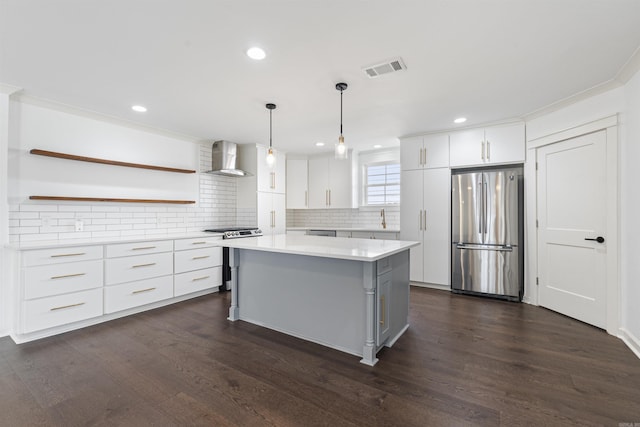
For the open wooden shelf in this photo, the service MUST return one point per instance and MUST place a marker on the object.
(107, 162)
(109, 199)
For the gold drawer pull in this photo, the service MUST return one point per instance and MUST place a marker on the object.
(143, 248)
(144, 265)
(200, 278)
(201, 257)
(142, 290)
(68, 275)
(198, 243)
(382, 309)
(67, 306)
(61, 255)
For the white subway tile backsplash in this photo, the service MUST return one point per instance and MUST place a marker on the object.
(215, 208)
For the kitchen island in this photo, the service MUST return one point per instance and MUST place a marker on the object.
(348, 294)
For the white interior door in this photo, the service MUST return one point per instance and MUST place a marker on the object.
(572, 194)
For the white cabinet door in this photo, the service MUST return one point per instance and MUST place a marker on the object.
(505, 144)
(435, 152)
(436, 236)
(279, 214)
(318, 183)
(467, 147)
(270, 179)
(411, 219)
(411, 153)
(265, 212)
(297, 184)
(340, 188)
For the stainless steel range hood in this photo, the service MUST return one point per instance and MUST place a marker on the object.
(224, 160)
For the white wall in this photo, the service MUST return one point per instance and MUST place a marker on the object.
(630, 207)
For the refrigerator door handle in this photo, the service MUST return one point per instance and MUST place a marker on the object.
(506, 248)
(480, 209)
(486, 207)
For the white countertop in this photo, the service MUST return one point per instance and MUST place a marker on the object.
(47, 244)
(379, 229)
(320, 246)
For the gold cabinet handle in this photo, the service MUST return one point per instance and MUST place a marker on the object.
(141, 291)
(420, 218)
(482, 150)
(67, 275)
(488, 151)
(143, 248)
(195, 279)
(144, 265)
(382, 310)
(198, 243)
(201, 257)
(67, 306)
(61, 255)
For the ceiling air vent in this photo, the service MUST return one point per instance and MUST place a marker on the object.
(386, 67)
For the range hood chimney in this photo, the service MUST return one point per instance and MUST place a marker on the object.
(224, 159)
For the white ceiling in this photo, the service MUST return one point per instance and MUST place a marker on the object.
(487, 60)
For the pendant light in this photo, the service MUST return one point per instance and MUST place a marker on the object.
(271, 158)
(341, 148)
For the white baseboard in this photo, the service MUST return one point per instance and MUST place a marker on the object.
(630, 340)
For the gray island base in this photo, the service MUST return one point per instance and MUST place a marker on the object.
(351, 295)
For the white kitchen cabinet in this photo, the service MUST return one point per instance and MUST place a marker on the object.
(488, 146)
(333, 183)
(420, 152)
(424, 217)
(297, 184)
(262, 195)
(271, 213)
(197, 265)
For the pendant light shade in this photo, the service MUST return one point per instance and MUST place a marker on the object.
(271, 158)
(341, 151)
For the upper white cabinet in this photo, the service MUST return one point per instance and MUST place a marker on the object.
(256, 197)
(332, 183)
(297, 184)
(270, 179)
(491, 145)
(424, 152)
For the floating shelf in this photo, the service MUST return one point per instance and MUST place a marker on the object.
(107, 162)
(109, 199)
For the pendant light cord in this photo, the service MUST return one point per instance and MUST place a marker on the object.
(340, 111)
(270, 127)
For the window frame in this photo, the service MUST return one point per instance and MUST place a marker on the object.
(366, 185)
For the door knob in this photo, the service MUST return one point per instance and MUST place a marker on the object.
(598, 239)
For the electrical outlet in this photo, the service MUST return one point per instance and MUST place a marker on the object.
(79, 225)
(46, 221)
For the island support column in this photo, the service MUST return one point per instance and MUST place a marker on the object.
(369, 282)
(234, 258)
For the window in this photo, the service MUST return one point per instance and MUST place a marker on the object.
(382, 184)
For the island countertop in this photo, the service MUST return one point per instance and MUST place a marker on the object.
(327, 247)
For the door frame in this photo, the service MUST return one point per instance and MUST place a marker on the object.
(610, 126)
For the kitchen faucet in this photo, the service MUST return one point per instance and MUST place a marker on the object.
(384, 220)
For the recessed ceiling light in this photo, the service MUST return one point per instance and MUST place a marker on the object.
(256, 53)
(139, 108)
(319, 144)
(377, 146)
(460, 120)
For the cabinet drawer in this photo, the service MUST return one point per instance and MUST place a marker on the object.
(201, 242)
(140, 248)
(193, 281)
(129, 269)
(135, 294)
(383, 265)
(61, 255)
(197, 259)
(48, 280)
(59, 310)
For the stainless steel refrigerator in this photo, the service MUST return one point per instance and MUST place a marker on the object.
(487, 255)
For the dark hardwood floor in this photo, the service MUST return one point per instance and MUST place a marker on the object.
(463, 361)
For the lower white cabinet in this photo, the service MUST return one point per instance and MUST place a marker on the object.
(424, 217)
(60, 289)
(134, 294)
(59, 310)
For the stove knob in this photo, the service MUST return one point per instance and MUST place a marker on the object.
(258, 231)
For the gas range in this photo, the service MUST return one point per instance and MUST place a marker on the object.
(237, 232)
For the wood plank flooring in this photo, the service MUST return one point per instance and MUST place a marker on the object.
(463, 361)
